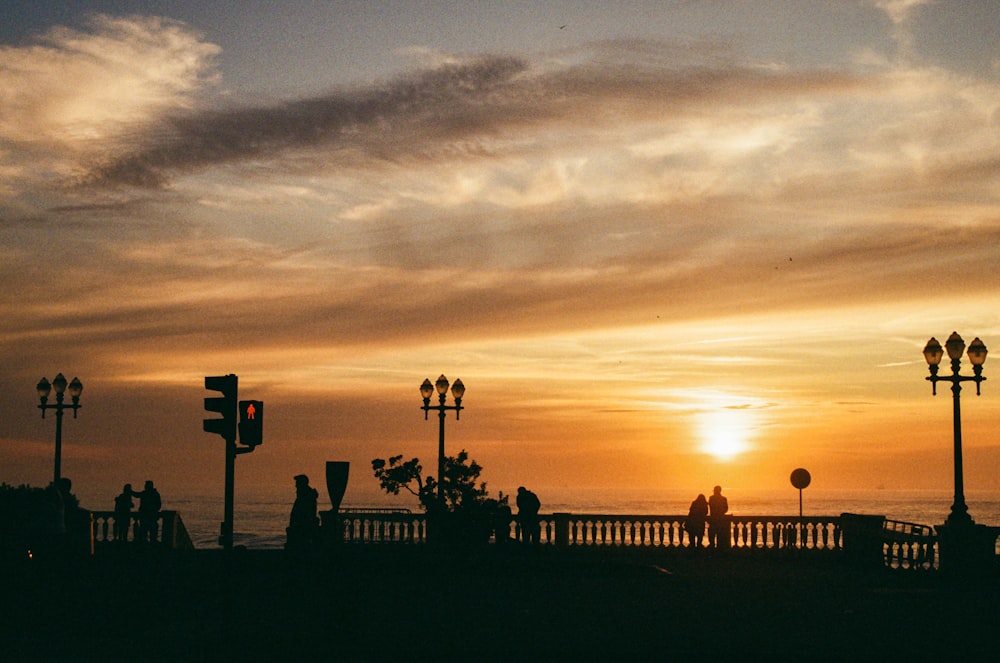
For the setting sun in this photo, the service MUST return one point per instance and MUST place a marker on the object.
(725, 432)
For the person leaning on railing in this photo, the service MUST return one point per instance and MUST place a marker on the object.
(718, 525)
(123, 513)
(149, 513)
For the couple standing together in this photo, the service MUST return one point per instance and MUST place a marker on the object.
(713, 511)
(148, 516)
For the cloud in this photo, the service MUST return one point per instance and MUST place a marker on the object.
(458, 108)
(511, 197)
(75, 88)
(432, 105)
(76, 94)
(899, 11)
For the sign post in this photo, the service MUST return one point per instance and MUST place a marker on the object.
(801, 480)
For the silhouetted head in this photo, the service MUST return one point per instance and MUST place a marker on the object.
(700, 498)
(301, 480)
(64, 485)
(127, 488)
(717, 490)
(149, 485)
(520, 489)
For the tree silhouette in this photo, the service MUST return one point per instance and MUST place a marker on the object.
(467, 503)
(461, 488)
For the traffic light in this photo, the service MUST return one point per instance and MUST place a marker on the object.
(224, 405)
(251, 423)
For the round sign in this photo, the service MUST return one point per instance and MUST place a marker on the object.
(801, 478)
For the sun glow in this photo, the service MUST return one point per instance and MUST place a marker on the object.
(726, 432)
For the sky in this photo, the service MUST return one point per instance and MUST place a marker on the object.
(663, 244)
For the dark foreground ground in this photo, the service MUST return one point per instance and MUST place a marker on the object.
(414, 603)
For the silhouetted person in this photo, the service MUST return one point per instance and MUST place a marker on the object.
(149, 513)
(527, 514)
(718, 524)
(76, 521)
(52, 521)
(64, 487)
(695, 523)
(123, 513)
(501, 526)
(303, 524)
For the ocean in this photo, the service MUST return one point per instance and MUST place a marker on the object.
(259, 522)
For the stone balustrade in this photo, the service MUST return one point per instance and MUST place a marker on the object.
(866, 539)
(894, 544)
(565, 529)
(739, 532)
(170, 528)
(909, 546)
(383, 526)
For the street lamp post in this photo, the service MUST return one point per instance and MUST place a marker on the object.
(74, 388)
(458, 392)
(933, 353)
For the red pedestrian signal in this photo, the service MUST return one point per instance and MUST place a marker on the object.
(251, 423)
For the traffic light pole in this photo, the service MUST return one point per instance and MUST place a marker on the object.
(226, 535)
(250, 434)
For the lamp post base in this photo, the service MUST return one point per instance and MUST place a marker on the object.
(959, 516)
(966, 549)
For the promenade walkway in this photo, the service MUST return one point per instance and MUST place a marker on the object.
(417, 603)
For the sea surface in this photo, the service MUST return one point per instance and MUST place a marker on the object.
(259, 522)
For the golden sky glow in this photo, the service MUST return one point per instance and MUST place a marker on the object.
(670, 245)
